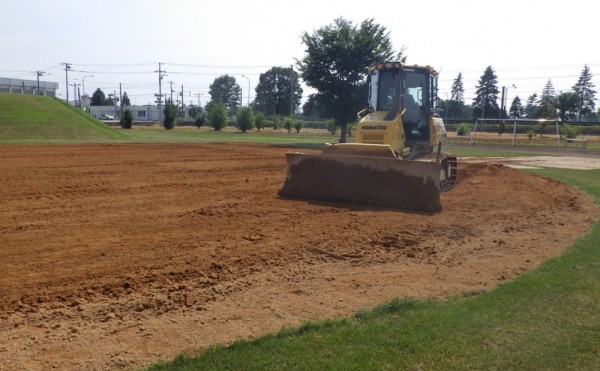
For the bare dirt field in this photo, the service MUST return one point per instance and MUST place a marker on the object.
(117, 256)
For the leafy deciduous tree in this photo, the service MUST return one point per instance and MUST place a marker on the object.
(336, 62)
(567, 104)
(225, 90)
(275, 89)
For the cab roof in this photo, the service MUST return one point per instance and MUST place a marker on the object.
(400, 65)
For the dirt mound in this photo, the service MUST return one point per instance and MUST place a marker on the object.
(121, 255)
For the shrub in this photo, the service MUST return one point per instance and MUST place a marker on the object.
(350, 128)
(201, 120)
(542, 125)
(170, 112)
(127, 119)
(276, 123)
(298, 126)
(245, 119)
(288, 124)
(259, 121)
(463, 129)
(217, 117)
(530, 134)
(331, 126)
(569, 131)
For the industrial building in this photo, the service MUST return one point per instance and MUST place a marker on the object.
(18, 86)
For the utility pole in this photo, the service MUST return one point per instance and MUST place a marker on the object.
(171, 82)
(161, 74)
(78, 98)
(502, 102)
(120, 101)
(74, 85)
(67, 68)
(39, 73)
(182, 109)
(291, 90)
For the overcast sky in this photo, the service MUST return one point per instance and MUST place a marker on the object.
(527, 42)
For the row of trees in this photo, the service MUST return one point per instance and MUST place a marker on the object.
(575, 104)
(335, 65)
(99, 99)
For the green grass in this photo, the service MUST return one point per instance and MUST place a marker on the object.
(546, 319)
(39, 119)
(30, 119)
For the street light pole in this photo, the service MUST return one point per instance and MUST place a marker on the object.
(83, 82)
(248, 89)
(39, 73)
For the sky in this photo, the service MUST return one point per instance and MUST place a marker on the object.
(527, 42)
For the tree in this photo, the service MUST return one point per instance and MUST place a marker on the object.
(126, 102)
(584, 89)
(259, 121)
(201, 120)
(546, 103)
(567, 104)
(127, 119)
(531, 107)
(217, 116)
(245, 119)
(98, 98)
(335, 64)
(516, 110)
(194, 111)
(275, 89)
(311, 107)
(455, 106)
(170, 113)
(225, 90)
(486, 97)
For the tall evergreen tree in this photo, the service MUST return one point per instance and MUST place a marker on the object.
(98, 98)
(548, 93)
(586, 93)
(546, 108)
(531, 107)
(486, 97)
(458, 90)
(457, 98)
(126, 101)
(516, 108)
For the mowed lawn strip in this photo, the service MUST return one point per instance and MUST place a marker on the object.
(546, 319)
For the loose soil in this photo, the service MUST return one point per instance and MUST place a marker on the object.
(118, 256)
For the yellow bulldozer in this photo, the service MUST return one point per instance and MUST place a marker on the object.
(396, 161)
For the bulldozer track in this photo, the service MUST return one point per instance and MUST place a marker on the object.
(450, 167)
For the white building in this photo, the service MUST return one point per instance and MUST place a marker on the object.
(18, 86)
(140, 113)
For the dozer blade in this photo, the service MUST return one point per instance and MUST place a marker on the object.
(364, 180)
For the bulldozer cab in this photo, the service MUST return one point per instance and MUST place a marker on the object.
(407, 90)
